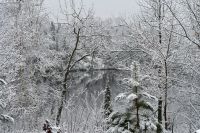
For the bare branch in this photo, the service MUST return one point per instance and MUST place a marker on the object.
(182, 26)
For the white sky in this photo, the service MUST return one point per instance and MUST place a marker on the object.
(102, 8)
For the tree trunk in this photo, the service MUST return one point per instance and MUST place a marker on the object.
(63, 98)
(166, 95)
(67, 71)
(159, 125)
(136, 100)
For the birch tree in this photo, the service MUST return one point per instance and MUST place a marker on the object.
(159, 21)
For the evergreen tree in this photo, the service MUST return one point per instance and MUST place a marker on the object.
(107, 100)
(107, 104)
(138, 115)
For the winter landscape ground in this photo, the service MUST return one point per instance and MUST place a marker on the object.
(89, 74)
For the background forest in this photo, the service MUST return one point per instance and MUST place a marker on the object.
(85, 74)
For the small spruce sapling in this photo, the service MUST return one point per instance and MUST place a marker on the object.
(138, 115)
(107, 102)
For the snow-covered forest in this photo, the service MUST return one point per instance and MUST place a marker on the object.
(85, 74)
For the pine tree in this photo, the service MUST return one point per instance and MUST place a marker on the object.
(138, 115)
(107, 101)
(107, 104)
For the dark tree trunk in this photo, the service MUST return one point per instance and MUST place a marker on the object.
(66, 75)
(159, 125)
(166, 96)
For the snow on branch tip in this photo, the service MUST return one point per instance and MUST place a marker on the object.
(3, 81)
